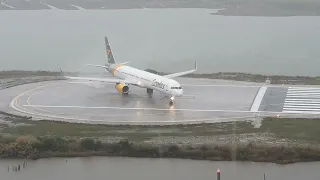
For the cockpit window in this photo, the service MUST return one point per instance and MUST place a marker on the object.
(176, 87)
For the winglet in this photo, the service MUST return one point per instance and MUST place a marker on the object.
(195, 65)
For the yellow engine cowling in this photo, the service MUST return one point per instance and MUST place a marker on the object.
(122, 88)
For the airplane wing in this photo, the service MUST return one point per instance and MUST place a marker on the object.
(182, 73)
(104, 80)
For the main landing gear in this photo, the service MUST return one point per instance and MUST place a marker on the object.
(125, 94)
(150, 92)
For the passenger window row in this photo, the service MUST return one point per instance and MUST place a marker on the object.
(176, 87)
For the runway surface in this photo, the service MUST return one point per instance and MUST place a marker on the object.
(205, 100)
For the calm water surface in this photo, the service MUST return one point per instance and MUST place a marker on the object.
(96, 168)
(163, 39)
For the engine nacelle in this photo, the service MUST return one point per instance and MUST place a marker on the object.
(122, 88)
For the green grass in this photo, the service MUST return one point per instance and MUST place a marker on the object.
(292, 129)
(43, 128)
(303, 131)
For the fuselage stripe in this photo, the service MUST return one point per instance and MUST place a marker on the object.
(116, 68)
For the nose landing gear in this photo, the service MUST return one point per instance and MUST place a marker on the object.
(171, 101)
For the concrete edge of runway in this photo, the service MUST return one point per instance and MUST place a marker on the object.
(249, 115)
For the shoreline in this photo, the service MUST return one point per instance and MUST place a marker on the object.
(280, 154)
(225, 8)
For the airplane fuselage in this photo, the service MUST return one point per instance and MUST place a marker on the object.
(147, 79)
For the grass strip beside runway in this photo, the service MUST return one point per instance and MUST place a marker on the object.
(276, 140)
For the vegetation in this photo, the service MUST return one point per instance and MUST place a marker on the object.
(20, 73)
(276, 140)
(299, 129)
(40, 147)
(275, 79)
(236, 76)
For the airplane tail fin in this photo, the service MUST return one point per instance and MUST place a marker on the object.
(111, 62)
(109, 52)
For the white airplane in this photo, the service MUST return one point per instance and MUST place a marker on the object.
(127, 75)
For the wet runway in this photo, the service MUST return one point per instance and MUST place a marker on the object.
(204, 101)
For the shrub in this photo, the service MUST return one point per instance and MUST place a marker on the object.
(87, 144)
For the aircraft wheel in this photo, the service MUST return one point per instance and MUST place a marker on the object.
(125, 94)
(171, 103)
(150, 92)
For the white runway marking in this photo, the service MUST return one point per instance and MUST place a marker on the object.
(162, 109)
(302, 95)
(304, 91)
(303, 103)
(302, 111)
(15, 102)
(302, 100)
(258, 99)
(152, 109)
(304, 88)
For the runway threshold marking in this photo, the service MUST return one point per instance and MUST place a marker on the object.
(302, 100)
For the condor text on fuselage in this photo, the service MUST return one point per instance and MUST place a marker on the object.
(158, 84)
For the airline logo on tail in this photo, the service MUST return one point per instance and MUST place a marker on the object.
(109, 52)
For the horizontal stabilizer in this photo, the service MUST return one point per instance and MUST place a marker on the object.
(125, 63)
(97, 66)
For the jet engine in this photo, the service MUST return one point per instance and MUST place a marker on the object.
(122, 88)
